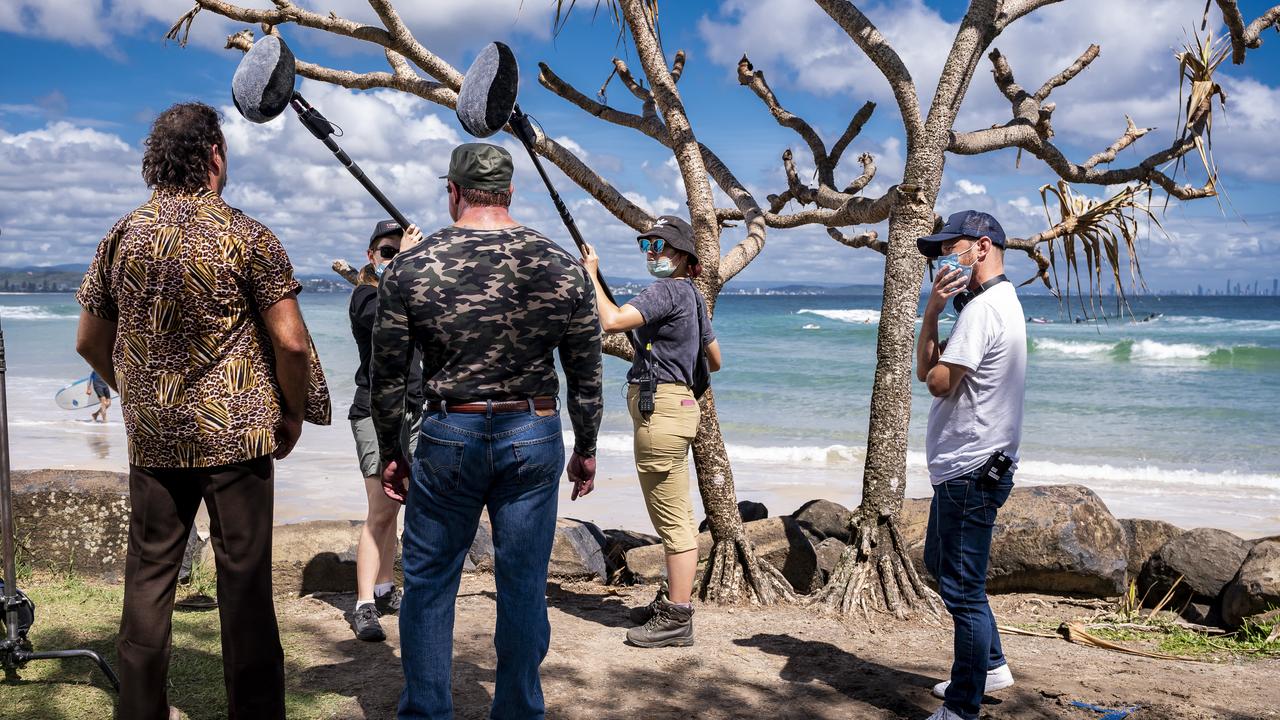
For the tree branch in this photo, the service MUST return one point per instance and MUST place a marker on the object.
(1064, 77)
(1245, 38)
(1015, 9)
(1030, 131)
(867, 37)
(858, 120)
(868, 239)
(754, 79)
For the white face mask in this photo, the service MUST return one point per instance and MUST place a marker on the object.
(661, 268)
(952, 262)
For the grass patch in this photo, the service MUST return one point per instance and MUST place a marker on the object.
(74, 613)
(1250, 641)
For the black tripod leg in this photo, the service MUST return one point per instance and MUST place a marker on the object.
(24, 657)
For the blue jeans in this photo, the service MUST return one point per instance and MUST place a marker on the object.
(956, 550)
(509, 462)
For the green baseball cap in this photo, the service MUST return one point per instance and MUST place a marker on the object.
(480, 166)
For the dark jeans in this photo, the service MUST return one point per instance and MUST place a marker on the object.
(510, 463)
(956, 550)
(164, 503)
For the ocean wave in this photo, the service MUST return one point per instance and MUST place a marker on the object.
(853, 317)
(32, 312)
(1030, 470)
(1154, 351)
(1218, 324)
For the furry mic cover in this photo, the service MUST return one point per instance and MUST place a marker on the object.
(488, 91)
(263, 84)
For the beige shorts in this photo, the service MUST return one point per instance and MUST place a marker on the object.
(367, 442)
(662, 443)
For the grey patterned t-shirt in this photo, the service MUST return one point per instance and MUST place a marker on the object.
(488, 309)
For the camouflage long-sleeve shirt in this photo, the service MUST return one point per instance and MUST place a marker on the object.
(488, 308)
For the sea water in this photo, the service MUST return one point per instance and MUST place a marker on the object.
(1173, 417)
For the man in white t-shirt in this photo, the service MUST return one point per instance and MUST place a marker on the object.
(977, 378)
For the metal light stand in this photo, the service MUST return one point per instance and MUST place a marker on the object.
(524, 131)
(320, 126)
(15, 648)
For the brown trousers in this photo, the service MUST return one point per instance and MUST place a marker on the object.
(164, 504)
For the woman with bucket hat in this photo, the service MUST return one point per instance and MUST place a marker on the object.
(677, 351)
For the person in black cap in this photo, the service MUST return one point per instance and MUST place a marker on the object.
(977, 378)
(376, 593)
(674, 332)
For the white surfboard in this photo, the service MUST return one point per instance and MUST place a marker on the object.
(73, 396)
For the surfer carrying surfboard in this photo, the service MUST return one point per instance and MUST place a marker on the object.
(98, 386)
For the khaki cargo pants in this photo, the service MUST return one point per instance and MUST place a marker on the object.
(662, 443)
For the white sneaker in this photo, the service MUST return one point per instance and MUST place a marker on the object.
(997, 679)
(944, 714)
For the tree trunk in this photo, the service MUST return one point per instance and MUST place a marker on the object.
(875, 572)
(732, 571)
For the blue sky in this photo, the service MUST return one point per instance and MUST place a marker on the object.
(85, 77)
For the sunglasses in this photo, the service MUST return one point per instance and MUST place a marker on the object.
(652, 245)
(386, 252)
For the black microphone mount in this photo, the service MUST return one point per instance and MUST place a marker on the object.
(320, 126)
(523, 130)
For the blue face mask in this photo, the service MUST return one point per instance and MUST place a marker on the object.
(952, 262)
(379, 269)
(661, 268)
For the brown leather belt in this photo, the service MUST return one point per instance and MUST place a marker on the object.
(496, 406)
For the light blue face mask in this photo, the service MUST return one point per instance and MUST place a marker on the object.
(661, 268)
(379, 269)
(952, 262)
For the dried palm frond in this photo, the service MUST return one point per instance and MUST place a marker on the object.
(1096, 234)
(565, 7)
(1197, 63)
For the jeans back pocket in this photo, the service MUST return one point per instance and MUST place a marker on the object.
(539, 461)
(441, 460)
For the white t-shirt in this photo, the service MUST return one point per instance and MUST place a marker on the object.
(983, 414)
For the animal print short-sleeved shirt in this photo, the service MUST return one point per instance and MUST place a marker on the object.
(185, 277)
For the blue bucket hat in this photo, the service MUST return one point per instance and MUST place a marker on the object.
(966, 223)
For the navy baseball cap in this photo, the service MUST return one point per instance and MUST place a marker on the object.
(385, 227)
(966, 223)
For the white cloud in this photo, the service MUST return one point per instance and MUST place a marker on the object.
(970, 188)
(438, 24)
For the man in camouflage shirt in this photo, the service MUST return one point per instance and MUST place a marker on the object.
(488, 301)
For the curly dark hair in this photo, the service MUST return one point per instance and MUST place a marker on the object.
(177, 149)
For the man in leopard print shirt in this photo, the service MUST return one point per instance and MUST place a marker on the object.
(189, 311)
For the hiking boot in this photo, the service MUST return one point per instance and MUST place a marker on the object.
(388, 604)
(364, 621)
(997, 679)
(670, 626)
(641, 615)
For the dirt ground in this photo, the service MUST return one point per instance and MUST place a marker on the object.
(782, 662)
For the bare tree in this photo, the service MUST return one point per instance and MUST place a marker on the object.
(875, 571)
(733, 572)
(1087, 238)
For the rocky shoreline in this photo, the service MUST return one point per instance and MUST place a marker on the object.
(1057, 540)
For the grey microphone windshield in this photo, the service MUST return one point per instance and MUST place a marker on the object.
(488, 91)
(263, 84)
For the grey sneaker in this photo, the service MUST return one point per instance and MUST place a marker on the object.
(388, 604)
(364, 621)
(641, 615)
(670, 626)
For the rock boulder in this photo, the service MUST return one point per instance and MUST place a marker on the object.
(75, 520)
(778, 540)
(1057, 539)
(1205, 559)
(748, 510)
(578, 552)
(1256, 588)
(307, 557)
(822, 519)
(1143, 538)
(829, 552)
